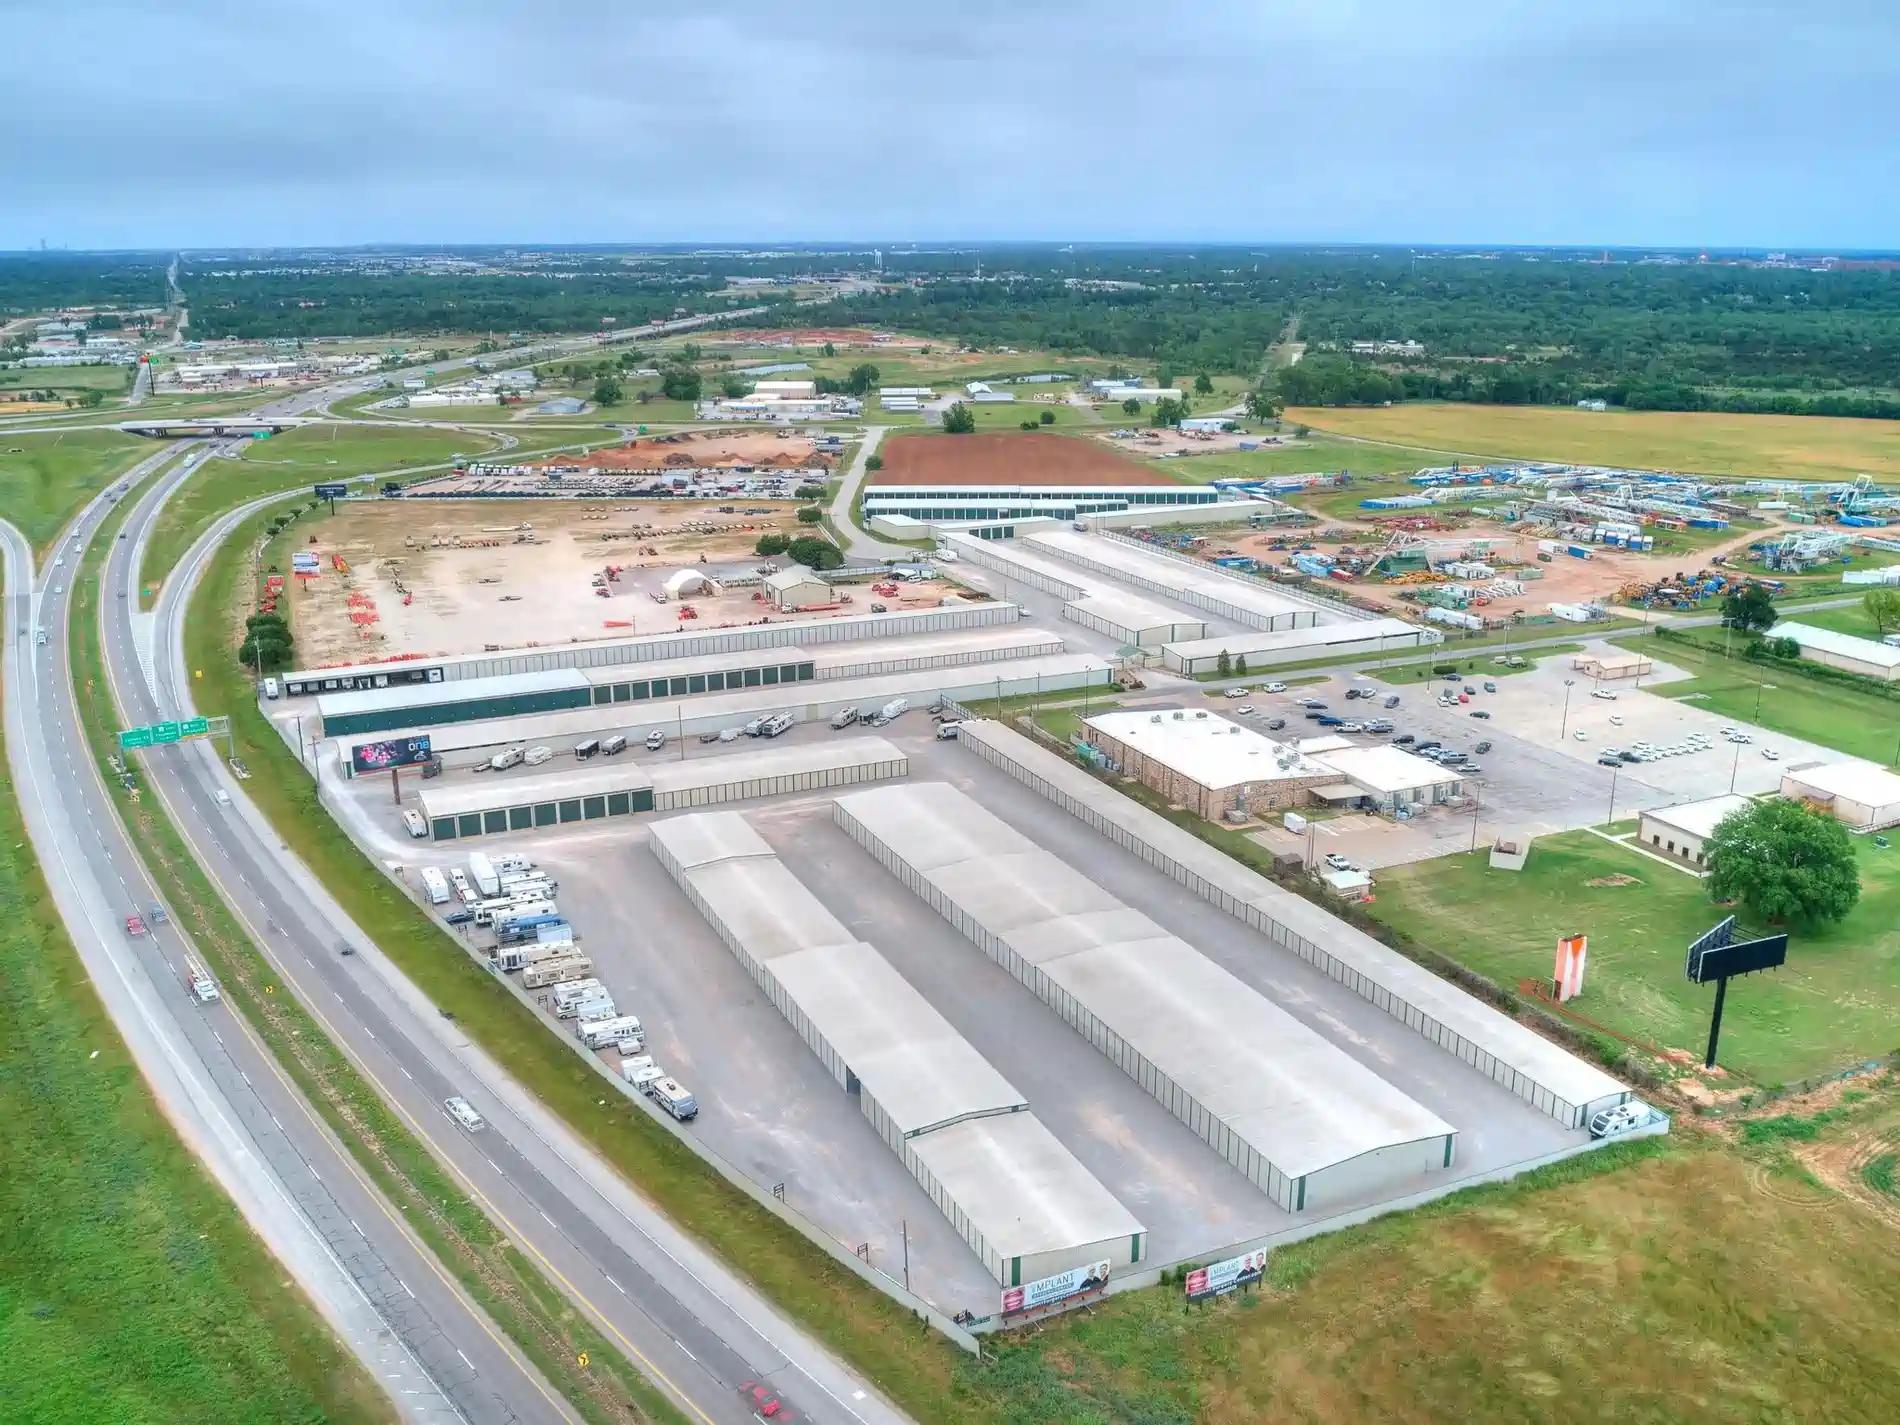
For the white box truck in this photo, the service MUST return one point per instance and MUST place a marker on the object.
(562, 969)
(483, 873)
(613, 1029)
(435, 886)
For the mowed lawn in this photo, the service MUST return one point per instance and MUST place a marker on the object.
(1301, 457)
(130, 1288)
(44, 479)
(1810, 447)
(1780, 698)
(1685, 1287)
(1836, 1002)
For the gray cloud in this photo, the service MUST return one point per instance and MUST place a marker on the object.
(203, 123)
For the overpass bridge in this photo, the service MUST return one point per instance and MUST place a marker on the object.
(199, 427)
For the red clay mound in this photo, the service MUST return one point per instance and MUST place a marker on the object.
(1005, 459)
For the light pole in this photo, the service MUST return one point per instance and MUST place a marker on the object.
(1761, 688)
(1477, 802)
(1613, 772)
(1564, 727)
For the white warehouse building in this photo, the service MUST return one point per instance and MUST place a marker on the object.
(1021, 1200)
(1301, 1119)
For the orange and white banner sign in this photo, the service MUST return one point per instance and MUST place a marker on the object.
(1571, 952)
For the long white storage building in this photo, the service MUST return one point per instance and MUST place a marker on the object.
(807, 701)
(1240, 598)
(1094, 603)
(681, 643)
(1027, 1208)
(1536, 1070)
(1263, 648)
(1300, 1118)
(511, 802)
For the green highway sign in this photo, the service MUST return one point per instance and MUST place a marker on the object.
(194, 727)
(164, 732)
(135, 737)
(161, 734)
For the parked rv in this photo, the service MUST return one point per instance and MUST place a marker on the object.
(612, 745)
(502, 761)
(413, 819)
(435, 886)
(672, 1096)
(584, 750)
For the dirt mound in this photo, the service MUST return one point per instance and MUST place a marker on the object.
(711, 450)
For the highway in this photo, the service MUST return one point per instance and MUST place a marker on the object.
(696, 1327)
(439, 1359)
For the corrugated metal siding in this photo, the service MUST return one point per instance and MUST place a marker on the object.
(745, 789)
(1238, 613)
(1019, 758)
(450, 710)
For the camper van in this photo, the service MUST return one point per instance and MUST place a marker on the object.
(612, 1029)
(672, 1096)
(573, 992)
(891, 711)
(271, 689)
(640, 1070)
(502, 761)
(435, 886)
(413, 819)
(563, 969)
(584, 750)
(536, 756)
(613, 744)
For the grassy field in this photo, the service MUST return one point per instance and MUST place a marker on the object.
(1851, 619)
(130, 1288)
(1796, 447)
(44, 479)
(1837, 1001)
(1317, 452)
(1474, 666)
(71, 380)
(1831, 714)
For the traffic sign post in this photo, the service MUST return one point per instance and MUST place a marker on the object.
(163, 734)
(135, 737)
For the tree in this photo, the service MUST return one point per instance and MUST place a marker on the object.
(959, 419)
(874, 462)
(814, 553)
(1784, 862)
(1748, 609)
(1883, 608)
(267, 642)
(732, 388)
(809, 492)
(1131, 407)
(1224, 665)
(91, 400)
(1168, 411)
(1785, 649)
(829, 349)
(1047, 418)
(1240, 665)
(1263, 404)
(1203, 384)
(810, 514)
(771, 544)
(606, 391)
(861, 378)
(1026, 425)
(680, 383)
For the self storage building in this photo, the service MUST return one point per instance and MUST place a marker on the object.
(1020, 1199)
(1305, 1122)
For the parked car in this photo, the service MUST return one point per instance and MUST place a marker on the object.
(1605, 759)
(1490, 687)
(1603, 693)
(1352, 727)
(1482, 748)
(460, 916)
(1427, 745)
(1236, 693)
(1336, 862)
(1480, 712)
(1245, 709)
(1404, 739)
(1626, 755)
(1273, 687)
(1325, 721)
(1274, 724)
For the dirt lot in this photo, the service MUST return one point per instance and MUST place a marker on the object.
(1151, 443)
(447, 577)
(1027, 458)
(701, 450)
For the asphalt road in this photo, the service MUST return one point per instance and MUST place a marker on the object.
(432, 1350)
(697, 1328)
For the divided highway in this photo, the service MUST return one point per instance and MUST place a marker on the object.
(698, 1329)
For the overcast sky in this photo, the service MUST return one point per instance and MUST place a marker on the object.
(1643, 122)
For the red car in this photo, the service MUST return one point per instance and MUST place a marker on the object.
(766, 1404)
(134, 925)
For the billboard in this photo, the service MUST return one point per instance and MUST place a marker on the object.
(303, 562)
(1049, 1290)
(395, 752)
(1740, 957)
(332, 492)
(1225, 1276)
(1567, 980)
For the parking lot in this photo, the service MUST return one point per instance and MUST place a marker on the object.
(1539, 776)
(768, 1105)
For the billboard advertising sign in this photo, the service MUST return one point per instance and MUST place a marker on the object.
(1049, 1290)
(1225, 1276)
(1743, 957)
(394, 752)
(332, 491)
(303, 562)
(1568, 977)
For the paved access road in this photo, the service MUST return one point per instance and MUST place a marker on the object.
(432, 1350)
(698, 1328)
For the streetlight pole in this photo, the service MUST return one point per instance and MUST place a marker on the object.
(1613, 772)
(1564, 727)
(1477, 802)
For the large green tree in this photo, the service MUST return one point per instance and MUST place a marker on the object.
(1883, 608)
(959, 419)
(1785, 863)
(1749, 609)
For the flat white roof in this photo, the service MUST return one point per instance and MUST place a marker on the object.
(1135, 614)
(1387, 769)
(1333, 742)
(1517, 1049)
(771, 760)
(1853, 781)
(1317, 636)
(1297, 1099)
(696, 714)
(1207, 748)
(492, 791)
(431, 695)
(1841, 645)
(1260, 599)
(1025, 1193)
(1698, 819)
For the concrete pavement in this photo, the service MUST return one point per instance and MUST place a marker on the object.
(430, 1349)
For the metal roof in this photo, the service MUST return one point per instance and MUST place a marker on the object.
(1387, 769)
(770, 760)
(1024, 1192)
(1699, 818)
(1841, 645)
(497, 790)
(1208, 749)
(1278, 639)
(1359, 957)
(1297, 1099)
(1855, 781)
(435, 695)
(1136, 562)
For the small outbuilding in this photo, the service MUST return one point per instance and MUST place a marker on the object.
(1864, 656)
(1680, 831)
(1860, 795)
(797, 587)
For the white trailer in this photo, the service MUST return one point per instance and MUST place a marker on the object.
(675, 1098)
(435, 886)
(482, 871)
(574, 991)
(560, 970)
(614, 1029)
